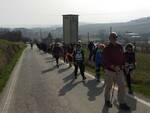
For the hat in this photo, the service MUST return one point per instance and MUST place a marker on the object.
(129, 45)
(102, 46)
(79, 41)
(113, 34)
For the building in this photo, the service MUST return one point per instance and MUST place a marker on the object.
(70, 29)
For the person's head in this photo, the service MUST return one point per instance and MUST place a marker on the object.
(113, 37)
(129, 47)
(78, 45)
(101, 46)
(79, 41)
(57, 44)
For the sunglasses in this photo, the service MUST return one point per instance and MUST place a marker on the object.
(115, 36)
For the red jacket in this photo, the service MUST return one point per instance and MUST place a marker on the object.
(113, 55)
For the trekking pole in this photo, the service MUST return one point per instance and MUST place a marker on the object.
(113, 89)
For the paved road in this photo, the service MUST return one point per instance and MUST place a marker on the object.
(39, 87)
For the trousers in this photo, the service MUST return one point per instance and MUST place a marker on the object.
(117, 78)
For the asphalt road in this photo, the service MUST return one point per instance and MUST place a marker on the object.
(38, 86)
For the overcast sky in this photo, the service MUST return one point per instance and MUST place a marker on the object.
(49, 12)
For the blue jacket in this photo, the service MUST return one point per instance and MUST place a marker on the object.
(98, 58)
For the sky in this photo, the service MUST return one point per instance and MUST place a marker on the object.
(20, 13)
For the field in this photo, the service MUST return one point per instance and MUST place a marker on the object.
(141, 76)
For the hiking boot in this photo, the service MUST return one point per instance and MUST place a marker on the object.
(83, 78)
(108, 104)
(70, 65)
(130, 92)
(57, 66)
(124, 107)
(98, 80)
(75, 76)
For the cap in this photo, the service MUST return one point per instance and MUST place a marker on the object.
(79, 41)
(102, 46)
(113, 34)
(129, 45)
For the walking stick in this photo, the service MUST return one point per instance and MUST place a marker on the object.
(113, 89)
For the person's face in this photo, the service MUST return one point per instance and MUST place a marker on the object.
(129, 49)
(98, 46)
(113, 39)
(78, 46)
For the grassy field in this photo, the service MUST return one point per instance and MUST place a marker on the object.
(140, 76)
(7, 69)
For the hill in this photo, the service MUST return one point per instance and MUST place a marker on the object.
(141, 26)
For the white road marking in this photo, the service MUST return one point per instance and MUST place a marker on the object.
(140, 100)
(9, 96)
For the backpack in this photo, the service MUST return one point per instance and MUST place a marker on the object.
(78, 55)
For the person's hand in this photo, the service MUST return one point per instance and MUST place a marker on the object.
(135, 64)
(75, 63)
(112, 67)
(117, 68)
(123, 66)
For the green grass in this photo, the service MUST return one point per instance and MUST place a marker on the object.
(8, 42)
(6, 71)
(142, 89)
(0, 52)
(4, 42)
(140, 76)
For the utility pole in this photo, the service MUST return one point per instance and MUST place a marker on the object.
(88, 37)
(110, 29)
(40, 34)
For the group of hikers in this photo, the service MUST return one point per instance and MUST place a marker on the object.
(116, 62)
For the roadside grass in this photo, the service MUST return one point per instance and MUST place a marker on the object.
(140, 76)
(7, 69)
(0, 52)
(4, 42)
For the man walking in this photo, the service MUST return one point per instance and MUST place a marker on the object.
(57, 52)
(91, 48)
(113, 62)
(78, 56)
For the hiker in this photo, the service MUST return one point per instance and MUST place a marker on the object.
(94, 52)
(31, 45)
(78, 56)
(91, 48)
(99, 60)
(113, 62)
(69, 55)
(129, 64)
(57, 52)
(65, 52)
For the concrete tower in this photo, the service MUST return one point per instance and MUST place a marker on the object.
(70, 29)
